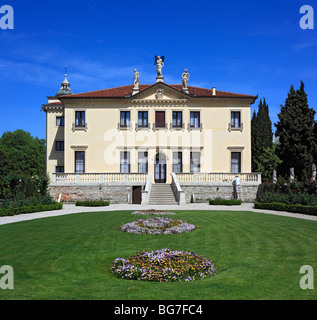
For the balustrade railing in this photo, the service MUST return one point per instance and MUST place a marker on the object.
(205, 178)
(98, 178)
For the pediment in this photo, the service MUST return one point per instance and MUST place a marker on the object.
(160, 92)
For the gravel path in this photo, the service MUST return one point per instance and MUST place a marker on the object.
(72, 209)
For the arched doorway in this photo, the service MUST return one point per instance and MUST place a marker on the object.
(160, 168)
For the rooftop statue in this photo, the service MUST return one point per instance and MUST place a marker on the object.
(159, 61)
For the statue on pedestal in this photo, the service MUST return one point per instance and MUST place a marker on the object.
(159, 61)
(185, 78)
(136, 80)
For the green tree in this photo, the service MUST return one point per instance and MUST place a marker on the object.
(255, 151)
(22, 165)
(267, 162)
(296, 134)
(261, 132)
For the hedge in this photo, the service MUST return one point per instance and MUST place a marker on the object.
(92, 203)
(221, 202)
(30, 209)
(294, 208)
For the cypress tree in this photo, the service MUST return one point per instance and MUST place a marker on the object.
(265, 126)
(254, 148)
(296, 134)
(261, 133)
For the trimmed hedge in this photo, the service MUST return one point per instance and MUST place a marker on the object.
(30, 209)
(221, 202)
(92, 203)
(294, 208)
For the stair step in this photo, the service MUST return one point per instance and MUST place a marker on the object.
(162, 194)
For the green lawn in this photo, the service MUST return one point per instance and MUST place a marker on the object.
(257, 256)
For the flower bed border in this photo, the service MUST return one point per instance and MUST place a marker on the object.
(153, 212)
(158, 266)
(132, 227)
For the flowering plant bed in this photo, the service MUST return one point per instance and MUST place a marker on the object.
(153, 212)
(163, 265)
(157, 225)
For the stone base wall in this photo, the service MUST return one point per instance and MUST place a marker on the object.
(116, 194)
(195, 193)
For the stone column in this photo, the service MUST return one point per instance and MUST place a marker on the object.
(313, 172)
(274, 176)
(292, 174)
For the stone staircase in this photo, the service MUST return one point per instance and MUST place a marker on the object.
(162, 194)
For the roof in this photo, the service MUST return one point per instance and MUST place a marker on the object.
(126, 91)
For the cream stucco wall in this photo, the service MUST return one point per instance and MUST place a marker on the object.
(102, 141)
(54, 133)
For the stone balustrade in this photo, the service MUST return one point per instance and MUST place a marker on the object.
(98, 178)
(217, 178)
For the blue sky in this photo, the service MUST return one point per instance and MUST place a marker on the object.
(250, 47)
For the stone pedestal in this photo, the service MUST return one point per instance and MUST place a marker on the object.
(135, 91)
(160, 79)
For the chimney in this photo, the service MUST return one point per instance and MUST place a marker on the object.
(214, 91)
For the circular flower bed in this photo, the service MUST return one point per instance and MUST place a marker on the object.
(157, 225)
(153, 212)
(163, 265)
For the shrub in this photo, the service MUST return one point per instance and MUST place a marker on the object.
(92, 203)
(26, 202)
(296, 208)
(30, 209)
(290, 198)
(283, 186)
(220, 202)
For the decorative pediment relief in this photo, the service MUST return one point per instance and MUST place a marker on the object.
(160, 93)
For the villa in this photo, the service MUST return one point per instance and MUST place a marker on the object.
(149, 144)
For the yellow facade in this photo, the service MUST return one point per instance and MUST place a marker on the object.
(103, 140)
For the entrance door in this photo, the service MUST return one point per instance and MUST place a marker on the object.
(136, 195)
(160, 168)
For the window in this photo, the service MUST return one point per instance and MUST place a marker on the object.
(195, 119)
(143, 119)
(143, 162)
(125, 162)
(235, 162)
(159, 119)
(195, 162)
(177, 162)
(236, 119)
(80, 119)
(124, 119)
(59, 169)
(80, 161)
(177, 119)
(59, 146)
(60, 121)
